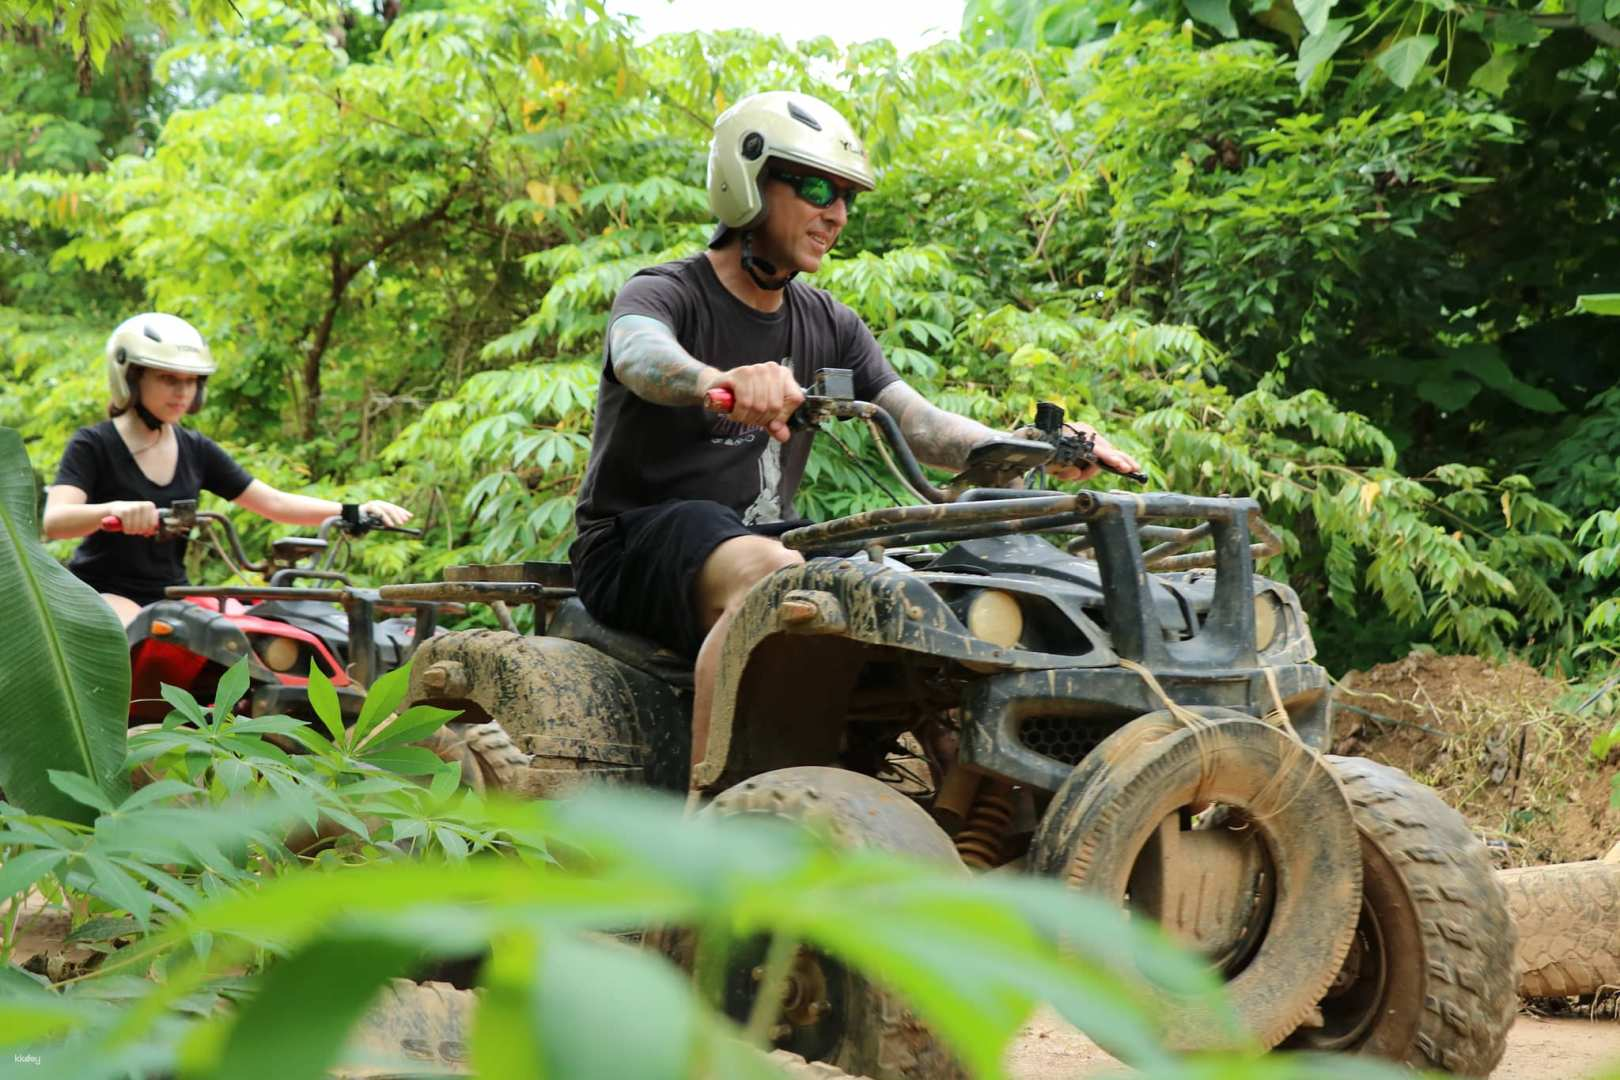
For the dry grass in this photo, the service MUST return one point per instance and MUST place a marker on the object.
(1497, 742)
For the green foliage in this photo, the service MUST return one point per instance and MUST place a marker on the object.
(64, 664)
(1474, 45)
(1599, 304)
(1214, 200)
(220, 798)
(92, 28)
(973, 957)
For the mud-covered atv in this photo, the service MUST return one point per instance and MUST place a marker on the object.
(1099, 703)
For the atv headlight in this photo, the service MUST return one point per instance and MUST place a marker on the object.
(994, 616)
(1268, 619)
(278, 653)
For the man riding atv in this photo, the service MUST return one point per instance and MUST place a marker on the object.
(1083, 696)
(681, 506)
(141, 460)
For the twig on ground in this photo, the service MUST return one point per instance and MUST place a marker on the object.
(1382, 719)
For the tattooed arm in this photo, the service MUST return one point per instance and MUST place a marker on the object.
(651, 364)
(937, 437)
(943, 439)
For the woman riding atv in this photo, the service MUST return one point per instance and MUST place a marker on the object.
(141, 459)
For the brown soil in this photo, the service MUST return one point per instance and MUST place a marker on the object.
(1495, 743)
(1566, 1048)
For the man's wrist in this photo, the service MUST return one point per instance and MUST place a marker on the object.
(707, 379)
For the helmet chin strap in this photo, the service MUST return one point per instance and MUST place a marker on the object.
(750, 262)
(147, 418)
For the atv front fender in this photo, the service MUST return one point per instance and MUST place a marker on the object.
(796, 647)
(574, 709)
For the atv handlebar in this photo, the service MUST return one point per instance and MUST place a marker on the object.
(369, 523)
(841, 405)
(183, 518)
(993, 463)
(989, 507)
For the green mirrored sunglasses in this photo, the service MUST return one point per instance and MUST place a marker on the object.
(818, 191)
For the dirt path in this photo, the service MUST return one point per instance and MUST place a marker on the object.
(1538, 1049)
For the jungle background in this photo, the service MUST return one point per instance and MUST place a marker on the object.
(1357, 261)
(1326, 255)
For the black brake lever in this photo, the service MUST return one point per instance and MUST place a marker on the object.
(1077, 449)
(369, 523)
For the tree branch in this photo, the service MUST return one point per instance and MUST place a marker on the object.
(317, 348)
(341, 277)
(1598, 30)
(438, 213)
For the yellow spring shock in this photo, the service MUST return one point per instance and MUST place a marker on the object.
(980, 840)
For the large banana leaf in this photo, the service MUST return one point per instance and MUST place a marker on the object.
(64, 662)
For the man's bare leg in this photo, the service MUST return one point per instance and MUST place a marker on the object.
(727, 575)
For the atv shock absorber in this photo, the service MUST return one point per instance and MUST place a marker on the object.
(984, 833)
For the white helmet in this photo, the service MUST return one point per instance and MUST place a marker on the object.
(154, 340)
(784, 125)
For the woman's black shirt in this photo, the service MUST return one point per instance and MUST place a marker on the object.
(98, 462)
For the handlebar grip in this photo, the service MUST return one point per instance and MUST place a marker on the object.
(719, 400)
(110, 523)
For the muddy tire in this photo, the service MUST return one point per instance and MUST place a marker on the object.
(413, 1029)
(1569, 927)
(1046, 851)
(865, 1029)
(1430, 980)
(489, 759)
(796, 1068)
(1284, 801)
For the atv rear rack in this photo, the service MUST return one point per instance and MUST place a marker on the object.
(360, 605)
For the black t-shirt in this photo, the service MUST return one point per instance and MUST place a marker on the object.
(98, 463)
(643, 454)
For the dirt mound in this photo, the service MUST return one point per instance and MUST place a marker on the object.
(1495, 743)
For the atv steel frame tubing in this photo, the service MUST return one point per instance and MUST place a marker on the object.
(1113, 521)
(360, 605)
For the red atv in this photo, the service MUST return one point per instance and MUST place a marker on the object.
(282, 627)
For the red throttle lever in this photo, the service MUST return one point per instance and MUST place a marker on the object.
(719, 400)
(112, 524)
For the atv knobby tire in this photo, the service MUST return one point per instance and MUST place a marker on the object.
(489, 759)
(1568, 917)
(1154, 768)
(1430, 980)
(868, 1030)
(413, 1029)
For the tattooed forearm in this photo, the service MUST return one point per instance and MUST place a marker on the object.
(937, 437)
(651, 363)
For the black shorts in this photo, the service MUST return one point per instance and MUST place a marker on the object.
(640, 574)
(143, 593)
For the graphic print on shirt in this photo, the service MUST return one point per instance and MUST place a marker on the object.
(724, 432)
(767, 505)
